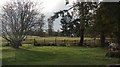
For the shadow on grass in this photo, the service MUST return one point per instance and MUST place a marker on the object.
(30, 57)
(56, 56)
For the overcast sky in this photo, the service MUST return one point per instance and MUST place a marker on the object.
(49, 7)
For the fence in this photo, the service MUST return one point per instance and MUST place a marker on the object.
(58, 42)
(63, 42)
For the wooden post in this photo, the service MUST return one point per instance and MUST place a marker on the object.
(44, 41)
(94, 41)
(56, 41)
(64, 42)
(75, 42)
(85, 42)
(91, 41)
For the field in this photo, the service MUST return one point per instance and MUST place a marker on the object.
(56, 55)
(59, 40)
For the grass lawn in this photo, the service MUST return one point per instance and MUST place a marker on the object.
(56, 55)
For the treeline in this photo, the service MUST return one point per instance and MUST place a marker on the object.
(44, 33)
(91, 18)
(95, 19)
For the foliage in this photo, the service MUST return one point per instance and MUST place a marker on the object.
(81, 18)
(107, 20)
(65, 23)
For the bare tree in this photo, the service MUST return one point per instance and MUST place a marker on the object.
(17, 19)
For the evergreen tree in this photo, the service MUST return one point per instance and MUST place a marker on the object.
(50, 26)
(83, 12)
(107, 20)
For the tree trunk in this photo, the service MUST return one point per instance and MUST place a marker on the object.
(82, 26)
(81, 38)
(118, 39)
(16, 45)
(118, 34)
(20, 44)
(102, 39)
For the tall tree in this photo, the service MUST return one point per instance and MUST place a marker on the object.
(50, 26)
(40, 25)
(84, 10)
(114, 16)
(17, 19)
(106, 20)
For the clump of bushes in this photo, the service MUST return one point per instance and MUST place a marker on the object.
(114, 50)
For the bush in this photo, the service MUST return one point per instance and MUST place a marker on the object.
(115, 54)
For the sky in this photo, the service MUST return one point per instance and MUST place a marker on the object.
(49, 7)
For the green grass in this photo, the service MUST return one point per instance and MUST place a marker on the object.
(56, 55)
